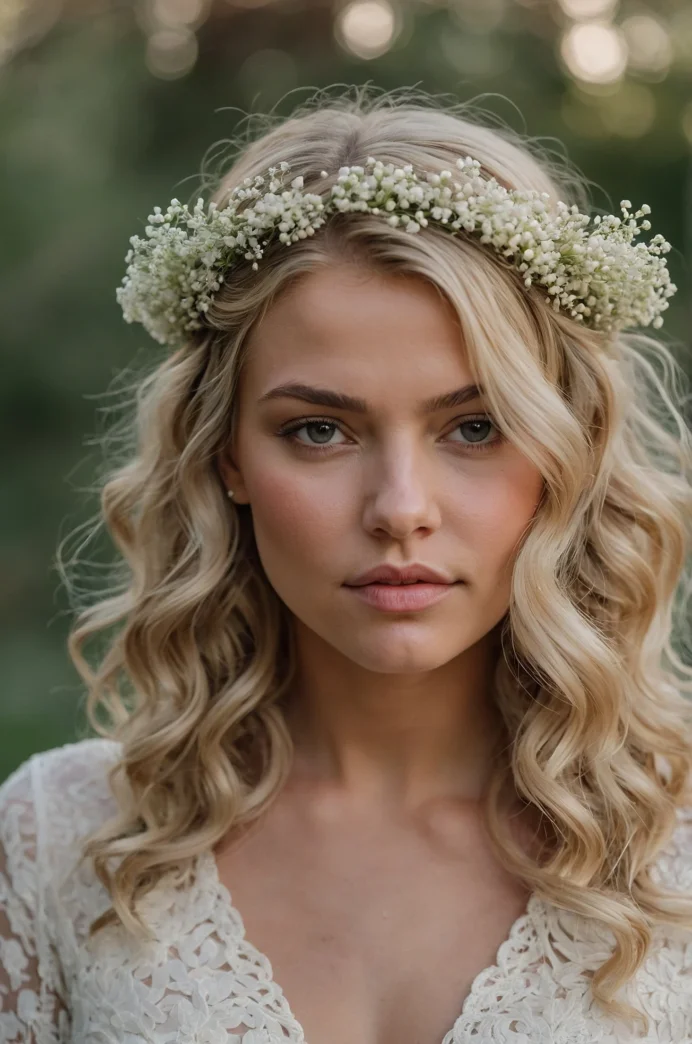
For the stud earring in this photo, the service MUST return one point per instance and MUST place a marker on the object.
(230, 493)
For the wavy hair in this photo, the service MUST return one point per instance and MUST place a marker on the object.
(598, 731)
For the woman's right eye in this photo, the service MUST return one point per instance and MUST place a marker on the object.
(291, 433)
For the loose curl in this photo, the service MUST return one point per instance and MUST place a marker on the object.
(598, 733)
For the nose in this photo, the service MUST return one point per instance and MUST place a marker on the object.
(403, 502)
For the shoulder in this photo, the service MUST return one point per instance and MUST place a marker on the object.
(72, 768)
(53, 799)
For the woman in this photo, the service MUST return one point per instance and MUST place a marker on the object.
(326, 808)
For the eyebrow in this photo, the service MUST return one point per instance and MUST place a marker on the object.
(340, 401)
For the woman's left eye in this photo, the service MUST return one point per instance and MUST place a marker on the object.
(290, 432)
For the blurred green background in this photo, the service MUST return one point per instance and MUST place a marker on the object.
(107, 108)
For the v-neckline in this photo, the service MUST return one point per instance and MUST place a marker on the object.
(512, 945)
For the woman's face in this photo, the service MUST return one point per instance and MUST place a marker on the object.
(351, 488)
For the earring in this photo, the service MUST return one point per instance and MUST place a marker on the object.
(230, 493)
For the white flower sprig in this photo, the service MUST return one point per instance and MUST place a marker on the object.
(596, 275)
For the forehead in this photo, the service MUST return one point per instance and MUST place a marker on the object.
(354, 320)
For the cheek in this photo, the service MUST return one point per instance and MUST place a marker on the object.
(295, 523)
(495, 518)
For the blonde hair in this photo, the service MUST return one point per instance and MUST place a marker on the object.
(598, 731)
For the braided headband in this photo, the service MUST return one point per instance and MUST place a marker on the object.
(596, 275)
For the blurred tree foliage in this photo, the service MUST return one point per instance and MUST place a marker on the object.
(92, 140)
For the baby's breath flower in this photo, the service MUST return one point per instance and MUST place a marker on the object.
(596, 275)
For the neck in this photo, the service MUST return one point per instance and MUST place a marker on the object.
(394, 739)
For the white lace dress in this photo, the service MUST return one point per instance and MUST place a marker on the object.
(202, 982)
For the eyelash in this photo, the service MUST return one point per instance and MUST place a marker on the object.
(289, 432)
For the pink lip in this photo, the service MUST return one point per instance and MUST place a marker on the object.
(392, 598)
(389, 573)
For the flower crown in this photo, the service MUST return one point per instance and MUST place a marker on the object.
(596, 275)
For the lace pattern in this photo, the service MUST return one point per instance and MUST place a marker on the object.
(201, 981)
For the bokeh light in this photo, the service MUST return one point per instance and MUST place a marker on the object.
(171, 53)
(594, 52)
(680, 26)
(174, 13)
(10, 18)
(582, 9)
(648, 43)
(23, 23)
(366, 28)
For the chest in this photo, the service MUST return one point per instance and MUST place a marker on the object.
(375, 937)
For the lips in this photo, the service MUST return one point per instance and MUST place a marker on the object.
(392, 583)
(401, 576)
(402, 598)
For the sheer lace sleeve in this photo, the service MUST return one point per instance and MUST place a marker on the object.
(32, 1004)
